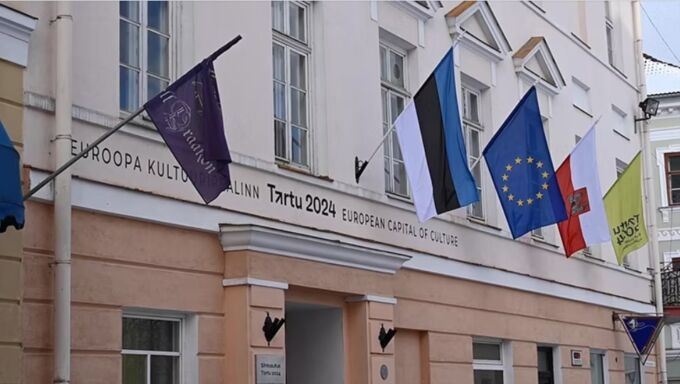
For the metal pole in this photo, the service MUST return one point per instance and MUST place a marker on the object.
(83, 153)
(62, 196)
(650, 195)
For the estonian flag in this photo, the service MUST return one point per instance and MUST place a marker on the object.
(432, 146)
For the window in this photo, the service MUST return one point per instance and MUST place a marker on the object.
(151, 351)
(621, 124)
(144, 51)
(546, 373)
(609, 31)
(620, 167)
(473, 127)
(487, 362)
(581, 94)
(290, 51)
(394, 96)
(632, 367)
(672, 161)
(597, 367)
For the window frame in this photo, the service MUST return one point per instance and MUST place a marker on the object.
(389, 88)
(551, 354)
(477, 126)
(143, 71)
(291, 44)
(489, 365)
(636, 359)
(180, 344)
(587, 109)
(605, 365)
(668, 173)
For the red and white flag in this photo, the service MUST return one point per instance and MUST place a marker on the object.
(579, 183)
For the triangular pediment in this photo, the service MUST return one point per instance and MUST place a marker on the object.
(536, 64)
(475, 23)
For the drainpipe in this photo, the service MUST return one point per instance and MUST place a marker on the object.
(62, 196)
(650, 193)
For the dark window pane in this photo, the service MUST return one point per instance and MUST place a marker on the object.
(299, 146)
(545, 365)
(297, 22)
(277, 15)
(279, 101)
(155, 86)
(129, 44)
(483, 351)
(134, 369)
(400, 181)
(675, 181)
(158, 16)
(675, 196)
(280, 139)
(130, 10)
(129, 89)
(674, 163)
(150, 335)
(157, 54)
(596, 368)
(297, 71)
(397, 69)
(164, 370)
(388, 174)
(298, 107)
(279, 58)
(488, 377)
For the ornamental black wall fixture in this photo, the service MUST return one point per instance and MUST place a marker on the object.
(385, 336)
(271, 327)
(649, 107)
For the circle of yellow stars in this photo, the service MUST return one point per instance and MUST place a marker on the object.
(530, 161)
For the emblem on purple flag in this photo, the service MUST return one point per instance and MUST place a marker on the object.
(188, 115)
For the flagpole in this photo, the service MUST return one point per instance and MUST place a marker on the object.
(115, 129)
(360, 166)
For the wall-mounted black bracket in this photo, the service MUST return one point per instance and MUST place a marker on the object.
(359, 167)
(385, 336)
(271, 327)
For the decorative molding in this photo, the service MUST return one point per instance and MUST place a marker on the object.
(15, 34)
(481, 9)
(375, 299)
(253, 281)
(333, 251)
(668, 234)
(414, 9)
(664, 134)
(118, 201)
(537, 47)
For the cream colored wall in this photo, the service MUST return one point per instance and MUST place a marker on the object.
(119, 264)
(11, 340)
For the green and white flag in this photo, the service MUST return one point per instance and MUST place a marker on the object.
(623, 203)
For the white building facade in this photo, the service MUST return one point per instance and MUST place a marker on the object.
(167, 288)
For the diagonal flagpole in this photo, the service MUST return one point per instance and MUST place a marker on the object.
(115, 129)
(359, 165)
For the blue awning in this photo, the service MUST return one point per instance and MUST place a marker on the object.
(11, 200)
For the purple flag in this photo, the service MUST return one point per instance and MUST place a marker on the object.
(188, 116)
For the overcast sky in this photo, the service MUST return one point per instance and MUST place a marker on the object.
(666, 16)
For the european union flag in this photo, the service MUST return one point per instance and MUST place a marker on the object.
(522, 170)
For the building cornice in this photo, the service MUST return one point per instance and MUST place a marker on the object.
(15, 33)
(332, 251)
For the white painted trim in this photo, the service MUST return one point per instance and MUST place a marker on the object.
(543, 49)
(374, 10)
(661, 168)
(482, 7)
(664, 134)
(15, 34)
(253, 281)
(492, 276)
(373, 298)
(309, 247)
(97, 197)
(414, 9)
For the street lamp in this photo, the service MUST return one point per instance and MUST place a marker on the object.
(650, 107)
